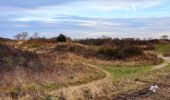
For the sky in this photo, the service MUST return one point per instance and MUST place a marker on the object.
(86, 18)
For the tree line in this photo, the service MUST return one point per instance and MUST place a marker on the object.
(36, 36)
(61, 37)
(25, 36)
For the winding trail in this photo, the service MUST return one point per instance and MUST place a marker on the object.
(108, 75)
(164, 64)
(106, 78)
(81, 86)
(95, 82)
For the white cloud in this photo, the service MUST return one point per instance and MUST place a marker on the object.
(98, 17)
(89, 8)
(98, 34)
(22, 25)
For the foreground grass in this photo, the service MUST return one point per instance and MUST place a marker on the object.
(88, 74)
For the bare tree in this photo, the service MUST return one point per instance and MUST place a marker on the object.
(36, 35)
(24, 35)
(17, 37)
(164, 37)
(21, 36)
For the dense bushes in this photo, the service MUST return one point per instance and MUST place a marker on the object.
(11, 57)
(61, 38)
(167, 54)
(108, 53)
(101, 52)
(117, 42)
(147, 47)
(119, 53)
(130, 52)
(76, 49)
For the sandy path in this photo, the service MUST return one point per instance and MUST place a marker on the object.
(95, 82)
(164, 64)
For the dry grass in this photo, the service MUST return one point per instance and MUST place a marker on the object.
(54, 71)
(63, 71)
(163, 48)
(92, 91)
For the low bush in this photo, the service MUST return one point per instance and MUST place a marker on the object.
(147, 47)
(76, 49)
(167, 54)
(108, 53)
(119, 53)
(11, 57)
(101, 52)
(130, 51)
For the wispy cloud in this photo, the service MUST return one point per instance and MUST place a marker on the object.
(86, 18)
(133, 7)
(95, 27)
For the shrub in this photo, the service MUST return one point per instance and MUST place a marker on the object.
(101, 52)
(108, 53)
(75, 48)
(61, 38)
(167, 54)
(11, 57)
(147, 47)
(130, 51)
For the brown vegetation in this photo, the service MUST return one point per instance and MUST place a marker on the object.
(24, 72)
(52, 65)
(101, 52)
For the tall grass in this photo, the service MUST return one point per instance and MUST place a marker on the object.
(24, 72)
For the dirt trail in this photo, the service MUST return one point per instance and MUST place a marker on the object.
(95, 82)
(164, 64)
(82, 86)
(106, 78)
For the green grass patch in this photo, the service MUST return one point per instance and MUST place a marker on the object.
(119, 72)
(162, 48)
(134, 78)
(51, 86)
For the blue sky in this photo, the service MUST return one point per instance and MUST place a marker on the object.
(86, 18)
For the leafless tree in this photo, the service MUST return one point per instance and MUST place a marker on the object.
(24, 35)
(17, 37)
(36, 35)
(21, 36)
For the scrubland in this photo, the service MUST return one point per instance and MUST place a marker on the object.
(50, 70)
